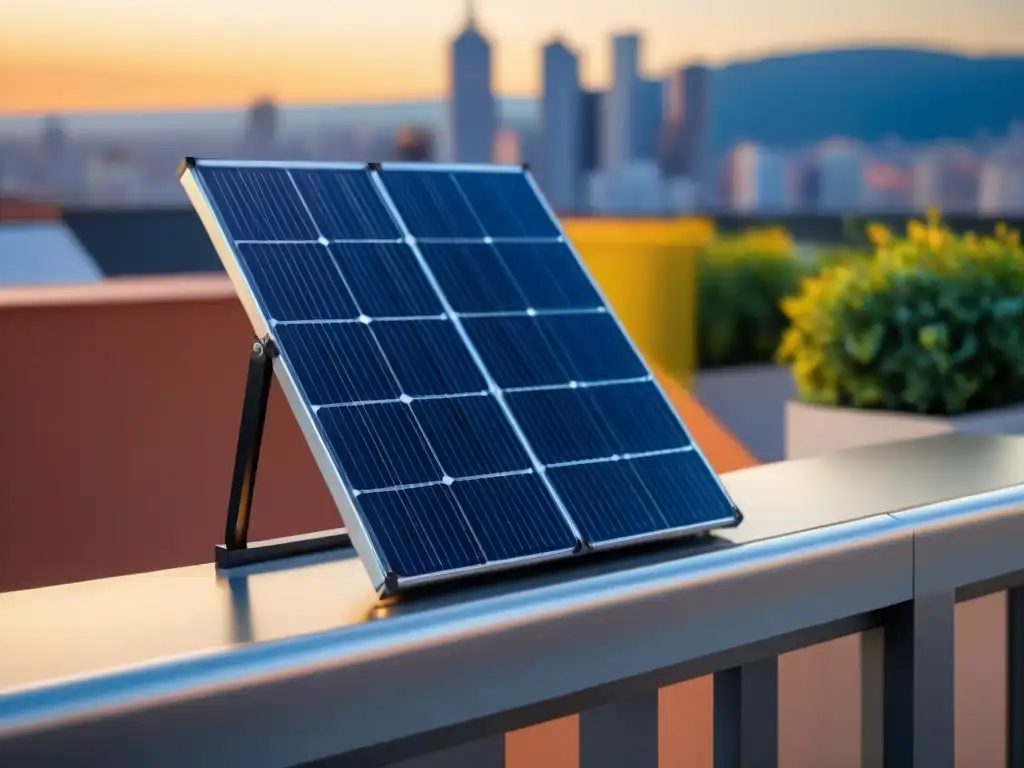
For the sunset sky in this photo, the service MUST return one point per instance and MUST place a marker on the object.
(60, 55)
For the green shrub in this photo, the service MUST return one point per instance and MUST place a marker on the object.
(931, 323)
(740, 282)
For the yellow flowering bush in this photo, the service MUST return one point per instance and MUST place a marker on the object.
(740, 281)
(931, 322)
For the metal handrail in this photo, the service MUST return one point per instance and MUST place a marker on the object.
(312, 669)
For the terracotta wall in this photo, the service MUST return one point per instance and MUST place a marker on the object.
(121, 402)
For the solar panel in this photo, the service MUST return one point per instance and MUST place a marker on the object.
(470, 398)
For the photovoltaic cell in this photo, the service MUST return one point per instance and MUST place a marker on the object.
(478, 400)
(345, 205)
(340, 362)
(432, 205)
(297, 281)
(259, 204)
(470, 436)
(379, 445)
(473, 277)
(385, 279)
(428, 358)
(505, 205)
(421, 530)
(548, 276)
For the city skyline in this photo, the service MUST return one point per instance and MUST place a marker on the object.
(56, 55)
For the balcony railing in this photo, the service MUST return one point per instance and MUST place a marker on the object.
(297, 663)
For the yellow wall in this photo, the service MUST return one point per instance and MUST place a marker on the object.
(647, 270)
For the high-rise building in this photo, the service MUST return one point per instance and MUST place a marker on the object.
(561, 128)
(591, 122)
(685, 126)
(621, 103)
(261, 128)
(648, 117)
(472, 112)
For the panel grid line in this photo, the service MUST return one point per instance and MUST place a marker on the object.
(537, 465)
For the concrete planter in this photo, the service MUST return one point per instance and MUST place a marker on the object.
(750, 400)
(812, 430)
(980, 624)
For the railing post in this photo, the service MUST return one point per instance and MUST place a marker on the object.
(747, 715)
(623, 733)
(919, 720)
(1015, 677)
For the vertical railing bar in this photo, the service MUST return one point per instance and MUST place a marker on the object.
(746, 715)
(1015, 677)
(919, 706)
(872, 697)
(623, 733)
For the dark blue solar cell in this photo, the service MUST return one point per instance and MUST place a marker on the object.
(606, 500)
(470, 435)
(506, 205)
(473, 277)
(297, 281)
(549, 276)
(591, 346)
(637, 417)
(431, 205)
(560, 425)
(386, 279)
(258, 203)
(336, 362)
(345, 204)
(428, 357)
(420, 530)
(379, 445)
(683, 488)
(516, 352)
(513, 516)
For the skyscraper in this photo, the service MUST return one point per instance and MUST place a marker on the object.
(648, 118)
(561, 129)
(591, 121)
(621, 103)
(684, 135)
(472, 114)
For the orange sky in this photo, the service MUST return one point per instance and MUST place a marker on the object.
(58, 55)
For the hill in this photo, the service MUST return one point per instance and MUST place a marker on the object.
(867, 94)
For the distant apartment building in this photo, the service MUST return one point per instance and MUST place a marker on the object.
(621, 104)
(413, 144)
(508, 147)
(840, 176)
(261, 128)
(472, 111)
(634, 188)
(561, 113)
(760, 180)
(1001, 178)
(945, 177)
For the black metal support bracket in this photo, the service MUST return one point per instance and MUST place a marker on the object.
(236, 549)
